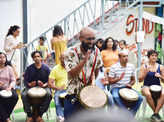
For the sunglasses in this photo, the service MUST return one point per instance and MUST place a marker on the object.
(90, 38)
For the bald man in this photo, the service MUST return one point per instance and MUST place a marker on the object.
(82, 63)
(122, 75)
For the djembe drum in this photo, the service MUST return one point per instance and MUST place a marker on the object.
(92, 97)
(5, 94)
(155, 92)
(128, 96)
(36, 96)
(62, 97)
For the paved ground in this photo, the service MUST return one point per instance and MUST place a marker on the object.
(19, 115)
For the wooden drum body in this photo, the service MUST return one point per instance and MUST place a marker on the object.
(128, 96)
(36, 96)
(155, 92)
(92, 97)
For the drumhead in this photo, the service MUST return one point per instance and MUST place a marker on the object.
(128, 94)
(62, 95)
(155, 88)
(5, 93)
(36, 92)
(92, 97)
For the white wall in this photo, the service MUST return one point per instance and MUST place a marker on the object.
(43, 14)
(11, 14)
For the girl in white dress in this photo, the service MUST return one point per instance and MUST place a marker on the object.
(11, 44)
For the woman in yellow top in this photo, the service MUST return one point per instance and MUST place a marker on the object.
(109, 53)
(58, 43)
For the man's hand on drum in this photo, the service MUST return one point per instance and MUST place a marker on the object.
(40, 83)
(104, 81)
(1, 83)
(129, 86)
(32, 84)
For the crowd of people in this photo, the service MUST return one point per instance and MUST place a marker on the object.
(107, 64)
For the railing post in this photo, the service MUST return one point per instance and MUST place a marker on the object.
(25, 34)
(140, 15)
(65, 24)
(102, 13)
(120, 2)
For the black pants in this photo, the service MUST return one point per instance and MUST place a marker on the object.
(43, 106)
(7, 105)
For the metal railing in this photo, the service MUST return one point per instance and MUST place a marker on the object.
(91, 13)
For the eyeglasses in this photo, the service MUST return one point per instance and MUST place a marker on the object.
(90, 38)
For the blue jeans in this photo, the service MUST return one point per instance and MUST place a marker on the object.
(104, 88)
(59, 108)
(119, 102)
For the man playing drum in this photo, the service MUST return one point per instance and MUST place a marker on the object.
(82, 63)
(122, 75)
(8, 95)
(151, 73)
(58, 82)
(36, 75)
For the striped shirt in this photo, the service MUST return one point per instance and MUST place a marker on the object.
(116, 70)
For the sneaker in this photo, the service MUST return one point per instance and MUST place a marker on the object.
(60, 119)
(156, 118)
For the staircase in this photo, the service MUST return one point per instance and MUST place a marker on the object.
(98, 14)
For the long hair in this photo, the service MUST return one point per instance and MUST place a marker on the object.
(12, 29)
(114, 47)
(57, 31)
(7, 62)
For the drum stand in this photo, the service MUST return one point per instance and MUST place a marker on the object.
(35, 102)
(155, 98)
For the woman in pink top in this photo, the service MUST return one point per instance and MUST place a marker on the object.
(7, 82)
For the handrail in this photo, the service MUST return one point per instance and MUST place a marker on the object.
(86, 14)
(86, 8)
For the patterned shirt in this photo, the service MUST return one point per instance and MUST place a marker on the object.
(116, 70)
(72, 59)
(7, 77)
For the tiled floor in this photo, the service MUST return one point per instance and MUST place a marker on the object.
(21, 117)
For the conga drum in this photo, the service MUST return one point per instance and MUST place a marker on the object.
(62, 97)
(5, 94)
(92, 97)
(36, 96)
(155, 92)
(128, 96)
